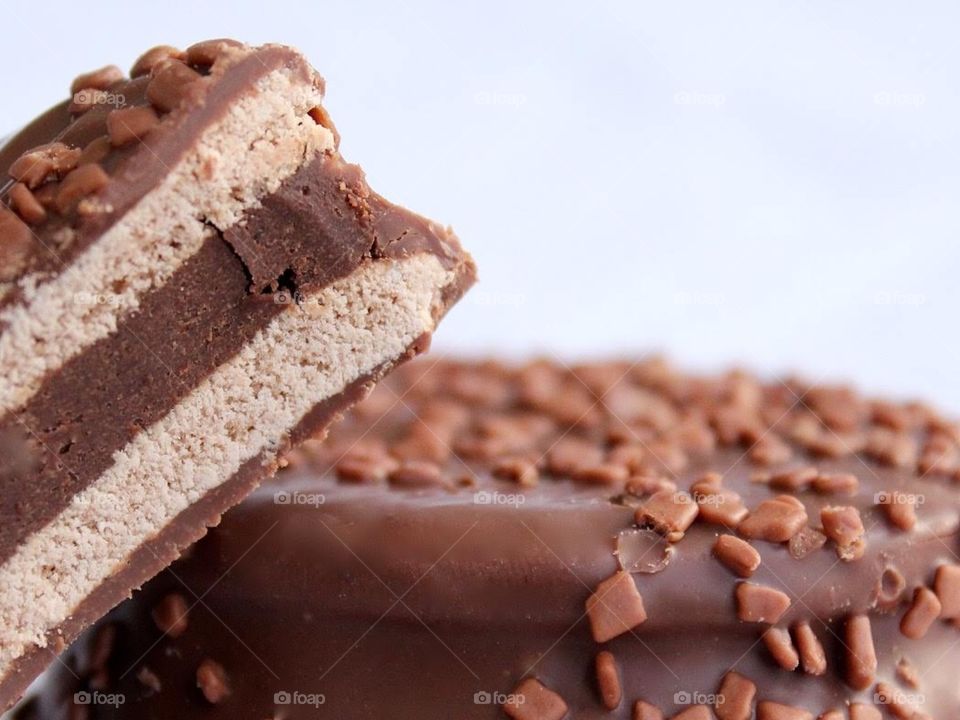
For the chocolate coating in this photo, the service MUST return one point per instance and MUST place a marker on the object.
(99, 156)
(428, 599)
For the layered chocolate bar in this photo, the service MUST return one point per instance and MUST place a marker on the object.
(613, 540)
(192, 280)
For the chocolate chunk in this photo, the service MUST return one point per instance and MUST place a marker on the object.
(735, 697)
(569, 454)
(643, 485)
(519, 470)
(533, 701)
(862, 711)
(127, 125)
(900, 509)
(416, 474)
(149, 679)
(718, 505)
(806, 541)
(171, 83)
(940, 457)
(861, 657)
(891, 415)
(921, 614)
(643, 710)
(212, 681)
(738, 555)
(796, 479)
(908, 674)
(833, 714)
(608, 680)
(360, 468)
(767, 710)
(946, 585)
(25, 203)
(836, 484)
(206, 53)
(615, 607)
(776, 520)
(813, 658)
(170, 615)
(891, 448)
(669, 513)
(843, 525)
(153, 57)
(79, 184)
(36, 166)
(695, 712)
(100, 79)
(771, 450)
(601, 474)
(759, 603)
(839, 408)
(735, 425)
(781, 647)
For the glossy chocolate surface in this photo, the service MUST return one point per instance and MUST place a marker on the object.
(417, 593)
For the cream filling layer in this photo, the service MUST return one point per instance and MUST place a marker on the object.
(308, 353)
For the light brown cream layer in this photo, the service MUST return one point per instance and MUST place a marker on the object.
(308, 353)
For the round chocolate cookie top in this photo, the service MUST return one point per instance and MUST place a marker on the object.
(617, 539)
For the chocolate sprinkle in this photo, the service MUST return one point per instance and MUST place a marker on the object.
(212, 681)
(615, 607)
(608, 680)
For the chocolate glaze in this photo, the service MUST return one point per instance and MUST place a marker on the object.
(303, 598)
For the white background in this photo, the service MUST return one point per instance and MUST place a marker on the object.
(772, 184)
